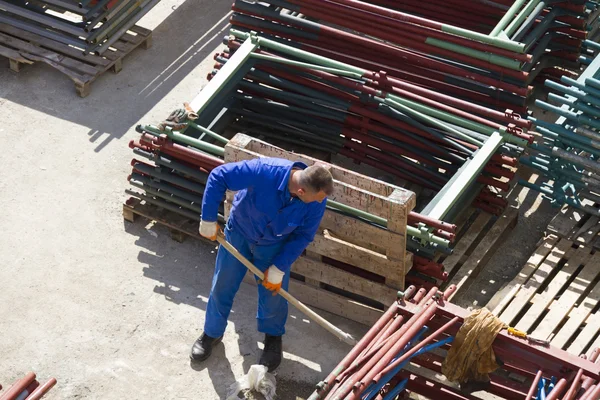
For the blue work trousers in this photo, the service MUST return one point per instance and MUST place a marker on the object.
(229, 273)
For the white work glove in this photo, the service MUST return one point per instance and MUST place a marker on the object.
(208, 230)
(273, 278)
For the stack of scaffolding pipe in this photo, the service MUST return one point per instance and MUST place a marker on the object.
(495, 68)
(419, 329)
(90, 25)
(567, 157)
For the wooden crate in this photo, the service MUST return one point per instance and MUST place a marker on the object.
(479, 236)
(23, 47)
(373, 251)
(556, 296)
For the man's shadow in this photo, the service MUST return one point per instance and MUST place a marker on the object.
(184, 274)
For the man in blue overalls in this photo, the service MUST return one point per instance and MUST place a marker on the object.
(276, 212)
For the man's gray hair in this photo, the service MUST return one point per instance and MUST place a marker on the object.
(317, 178)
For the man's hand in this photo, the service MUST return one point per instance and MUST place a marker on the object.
(209, 230)
(273, 278)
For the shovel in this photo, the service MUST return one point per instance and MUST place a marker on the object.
(345, 337)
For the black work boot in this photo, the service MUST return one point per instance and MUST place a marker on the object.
(272, 353)
(202, 348)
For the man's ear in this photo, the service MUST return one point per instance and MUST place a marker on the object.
(301, 192)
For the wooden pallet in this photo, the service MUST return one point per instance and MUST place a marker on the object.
(179, 225)
(556, 296)
(23, 47)
(479, 236)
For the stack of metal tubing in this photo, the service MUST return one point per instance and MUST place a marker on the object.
(460, 151)
(568, 155)
(27, 388)
(90, 25)
(477, 50)
(414, 335)
(172, 176)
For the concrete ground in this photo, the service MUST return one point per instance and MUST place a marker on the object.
(110, 308)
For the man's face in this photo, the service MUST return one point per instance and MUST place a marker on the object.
(308, 196)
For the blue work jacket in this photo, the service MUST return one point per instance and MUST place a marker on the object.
(263, 210)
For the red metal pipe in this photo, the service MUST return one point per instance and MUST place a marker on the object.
(574, 386)
(559, 388)
(412, 351)
(42, 390)
(408, 73)
(358, 348)
(419, 296)
(18, 387)
(551, 357)
(413, 42)
(534, 386)
(389, 351)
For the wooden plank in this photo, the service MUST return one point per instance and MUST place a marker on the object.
(344, 280)
(359, 232)
(594, 345)
(330, 302)
(26, 47)
(484, 251)
(557, 283)
(53, 45)
(350, 188)
(588, 231)
(464, 243)
(577, 317)
(505, 296)
(588, 334)
(13, 55)
(357, 256)
(562, 307)
(334, 303)
(537, 278)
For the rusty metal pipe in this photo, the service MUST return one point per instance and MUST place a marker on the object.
(534, 386)
(42, 390)
(389, 351)
(558, 389)
(18, 387)
(324, 386)
(574, 386)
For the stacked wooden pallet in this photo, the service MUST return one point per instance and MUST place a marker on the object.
(352, 268)
(556, 296)
(22, 47)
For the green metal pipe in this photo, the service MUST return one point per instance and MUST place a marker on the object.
(167, 196)
(522, 16)
(210, 133)
(507, 18)
(305, 55)
(444, 116)
(286, 61)
(480, 55)
(410, 230)
(190, 141)
(416, 114)
(158, 185)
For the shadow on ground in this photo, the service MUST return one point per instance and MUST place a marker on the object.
(180, 43)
